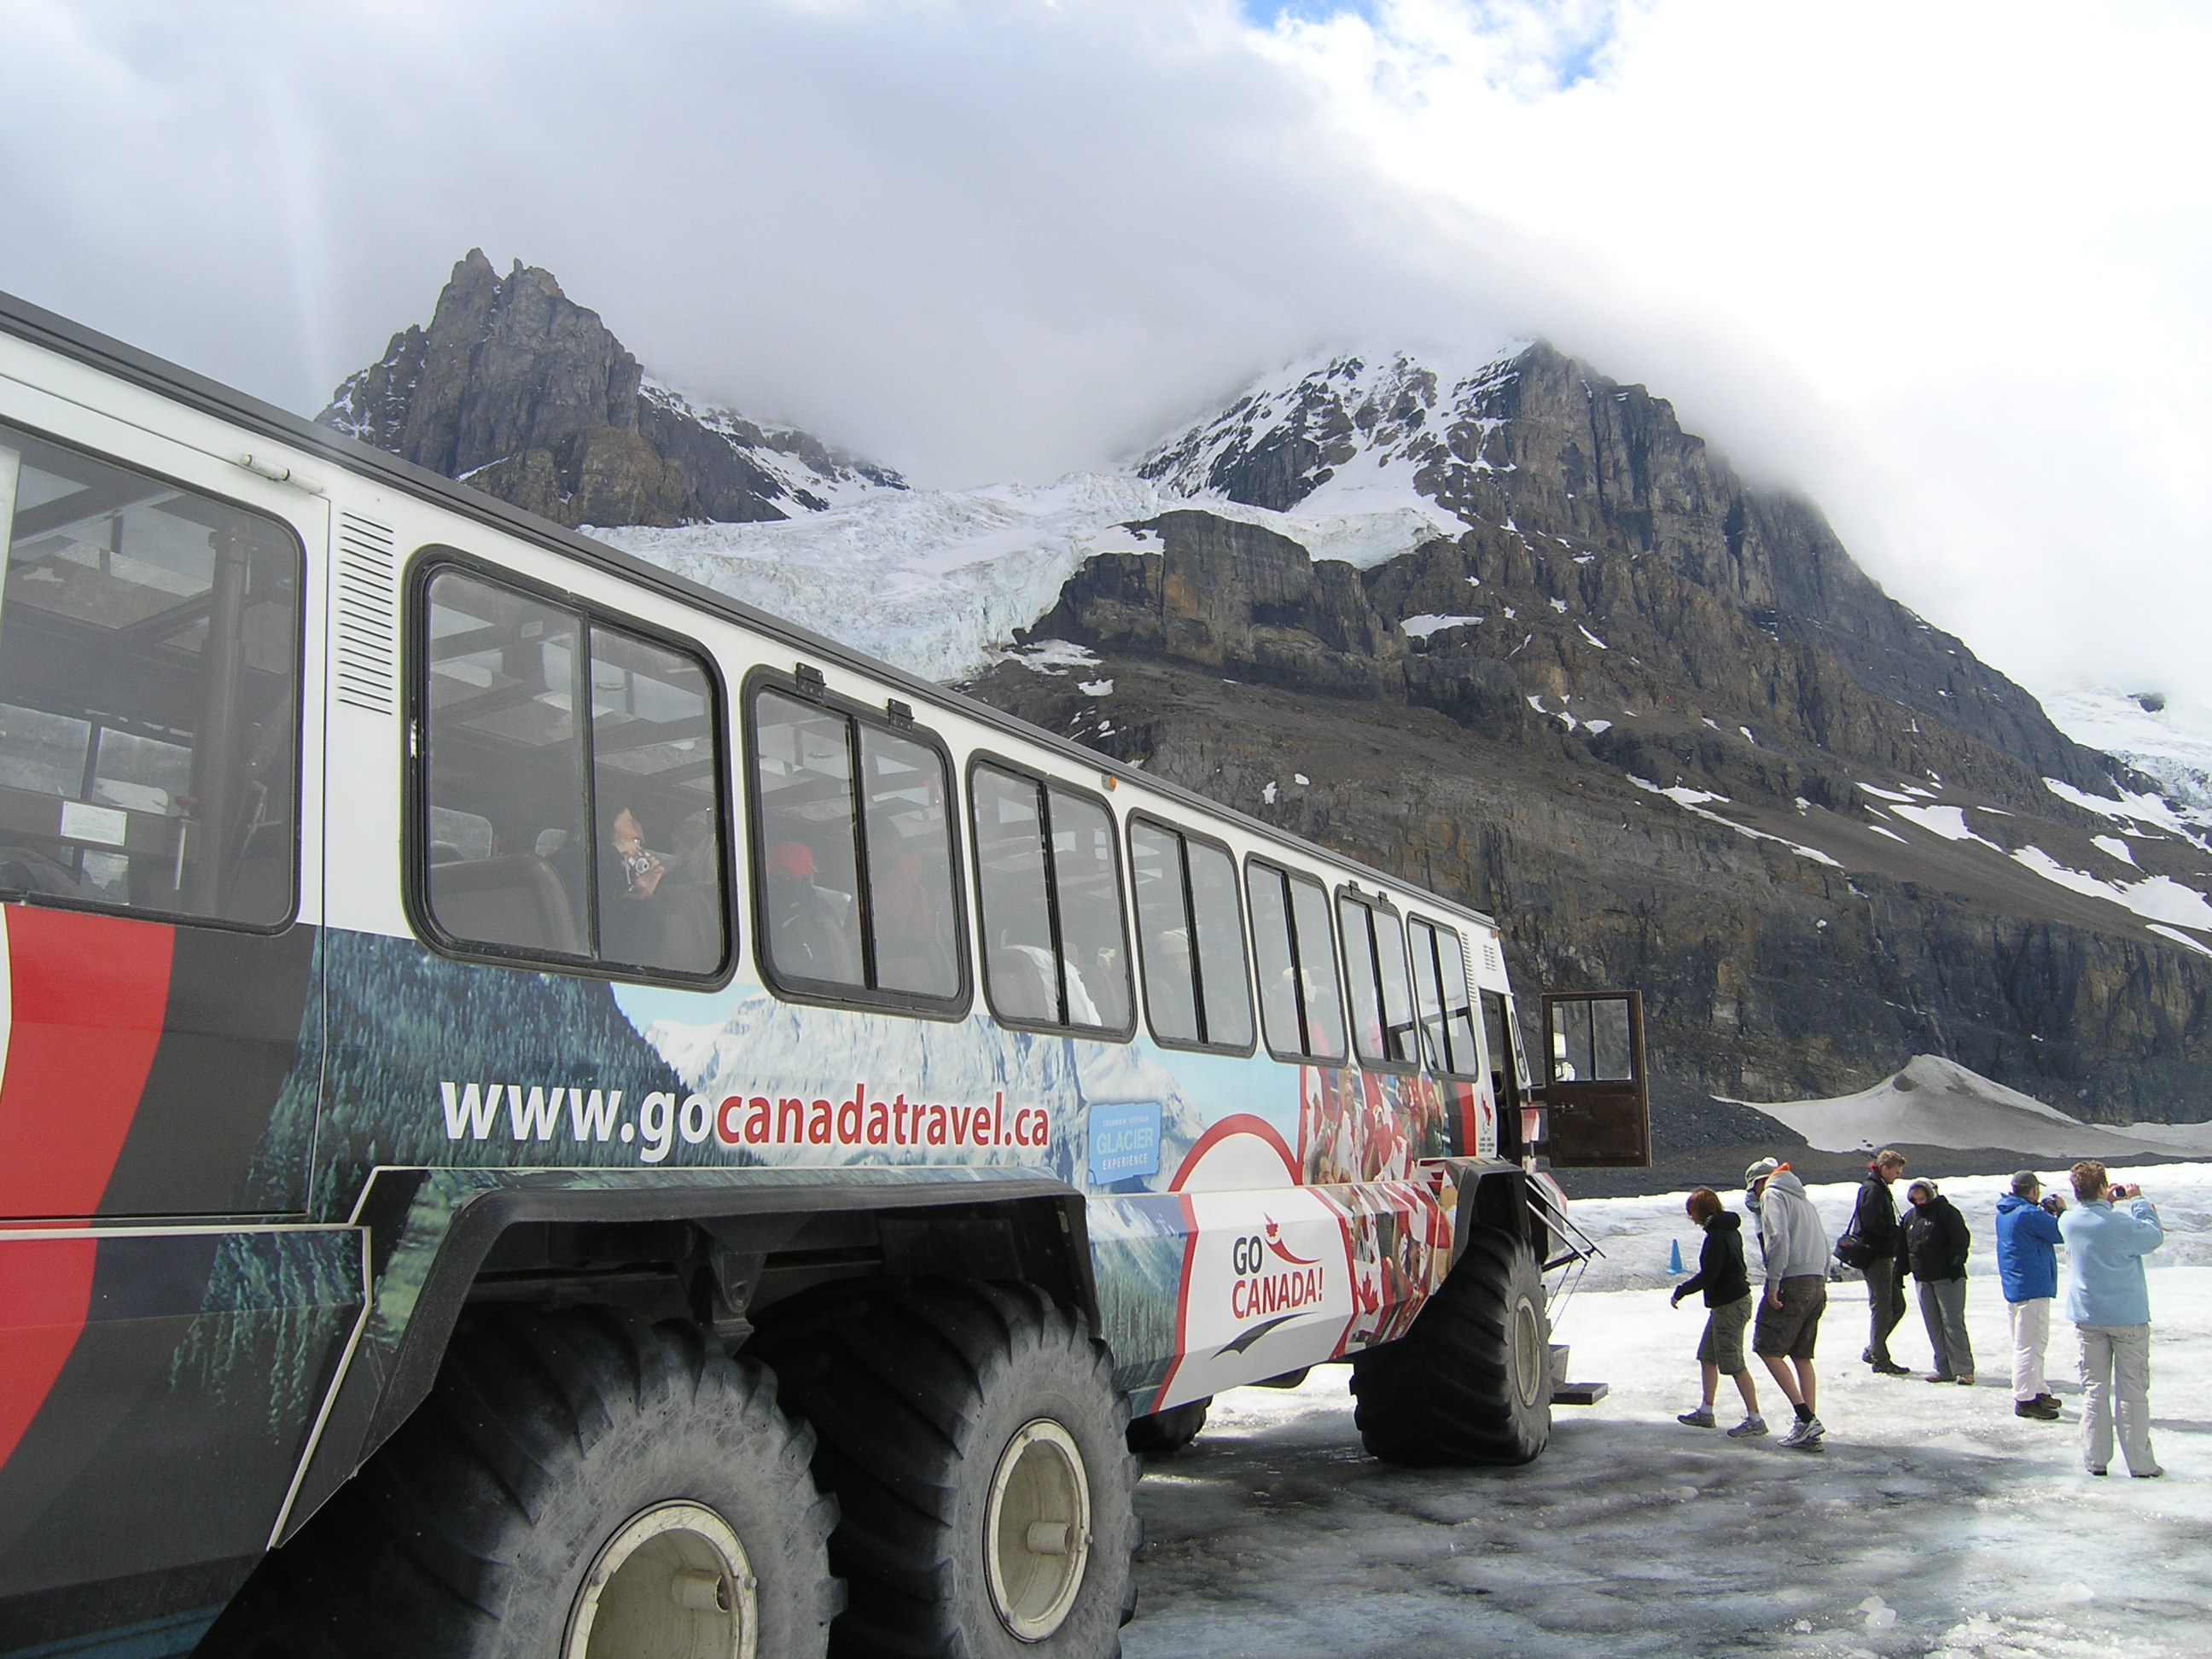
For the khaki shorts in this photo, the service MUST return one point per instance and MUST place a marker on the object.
(1790, 1331)
(1722, 1346)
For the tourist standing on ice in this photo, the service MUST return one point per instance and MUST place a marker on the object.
(2110, 1306)
(1937, 1242)
(1794, 1249)
(1727, 1286)
(2027, 1267)
(1881, 1253)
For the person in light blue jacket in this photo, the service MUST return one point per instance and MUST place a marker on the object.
(2027, 1267)
(2110, 1305)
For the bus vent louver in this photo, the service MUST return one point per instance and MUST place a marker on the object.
(367, 632)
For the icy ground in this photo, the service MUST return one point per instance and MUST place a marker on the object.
(1934, 1522)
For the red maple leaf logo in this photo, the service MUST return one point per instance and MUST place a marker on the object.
(1274, 1234)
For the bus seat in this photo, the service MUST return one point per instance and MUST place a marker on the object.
(516, 900)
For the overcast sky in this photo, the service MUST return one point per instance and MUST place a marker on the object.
(1942, 266)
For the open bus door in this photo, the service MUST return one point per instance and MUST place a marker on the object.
(1596, 1097)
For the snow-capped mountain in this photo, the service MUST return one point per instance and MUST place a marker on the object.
(1344, 434)
(530, 397)
(802, 473)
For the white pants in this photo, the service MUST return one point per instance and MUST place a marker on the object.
(2031, 1331)
(2116, 1381)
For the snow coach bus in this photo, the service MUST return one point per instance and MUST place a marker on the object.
(545, 1112)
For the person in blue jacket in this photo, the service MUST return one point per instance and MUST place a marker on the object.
(2110, 1306)
(2027, 1267)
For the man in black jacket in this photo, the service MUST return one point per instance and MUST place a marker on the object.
(1723, 1277)
(1937, 1242)
(1874, 1220)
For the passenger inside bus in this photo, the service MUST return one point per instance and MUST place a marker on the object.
(813, 932)
(515, 774)
(660, 910)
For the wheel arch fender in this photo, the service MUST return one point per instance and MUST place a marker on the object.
(431, 1232)
(1493, 1192)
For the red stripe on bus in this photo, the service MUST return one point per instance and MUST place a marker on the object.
(1182, 1298)
(89, 994)
(45, 1290)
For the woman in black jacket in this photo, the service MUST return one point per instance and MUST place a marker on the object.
(1727, 1286)
(1936, 1242)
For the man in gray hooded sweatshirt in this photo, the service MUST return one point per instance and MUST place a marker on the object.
(1795, 1246)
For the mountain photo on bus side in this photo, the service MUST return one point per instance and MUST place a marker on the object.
(1503, 628)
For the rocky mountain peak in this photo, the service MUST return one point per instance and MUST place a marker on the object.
(1370, 418)
(1536, 459)
(528, 396)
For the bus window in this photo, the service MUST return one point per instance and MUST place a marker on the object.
(893, 936)
(548, 834)
(149, 692)
(1506, 1071)
(1049, 891)
(1191, 937)
(1324, 1002)
(1300, 1011)
(1223, 981)
(1440, 991)
(811, 882)
(913, 905)
(654, 780)
(1375, 971)
(1164, 933)
(1087, 882)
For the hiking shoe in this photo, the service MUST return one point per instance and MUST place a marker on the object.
(1965, 1379)
(1942, 1376)
(1750, 1428)
(2036, 1409)
(1701, 1418)
(2146, 1474)
(1890, 1368)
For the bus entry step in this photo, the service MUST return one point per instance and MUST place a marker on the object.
(1579, 1394)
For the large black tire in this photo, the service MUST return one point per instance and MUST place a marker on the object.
(919, 1390)
(471, 1534)
(1165, 1433)
(1472, 1382)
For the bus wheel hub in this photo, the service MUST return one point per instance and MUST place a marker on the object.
(1036, 1530)
(672, 1583)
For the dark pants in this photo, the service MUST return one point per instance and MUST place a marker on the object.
(1886, 1304)
(1943, 1309)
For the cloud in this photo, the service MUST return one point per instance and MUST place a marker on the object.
(1935, 263)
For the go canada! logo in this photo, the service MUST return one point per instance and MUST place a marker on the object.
(1272, 1283)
